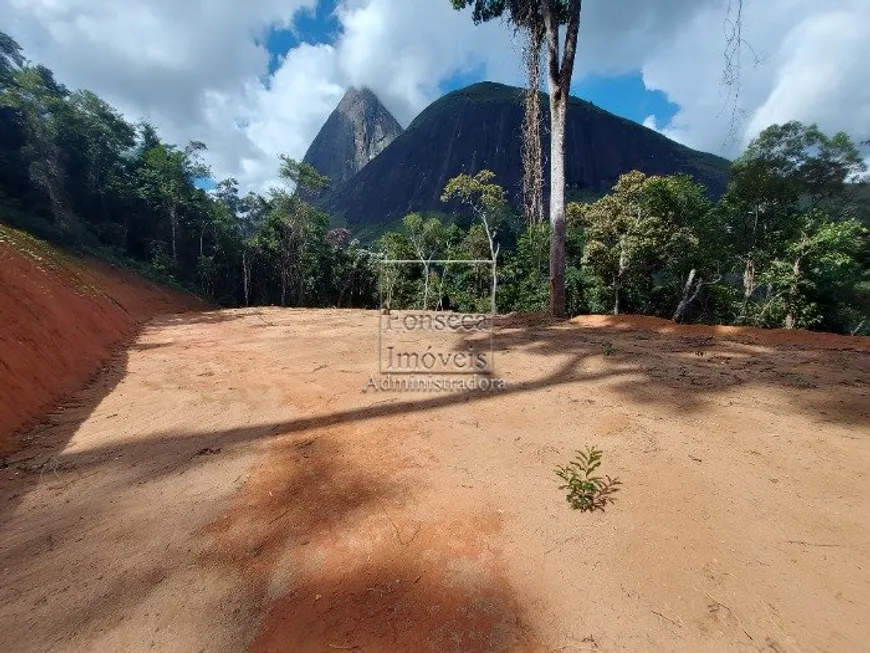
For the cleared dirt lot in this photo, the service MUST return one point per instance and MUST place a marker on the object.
(225, 483)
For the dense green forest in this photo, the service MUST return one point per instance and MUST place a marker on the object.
(785, 245)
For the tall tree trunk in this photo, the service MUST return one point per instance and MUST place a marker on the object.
(425, 285)
(690, 293)
(748, 286)
(173, 221)
(791, 315)
(492, 297)
(300, 285)
(494, 249)
(558, 102)
(559, 77)
(48, 174)
(620, 275)
(533, 178)
(246, 275)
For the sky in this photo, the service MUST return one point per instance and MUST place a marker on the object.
(258, 78)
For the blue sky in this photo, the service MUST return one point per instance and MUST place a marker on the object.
(624, 95)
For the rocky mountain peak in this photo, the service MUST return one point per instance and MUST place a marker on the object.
(357, 131)
(479, 128)
(354, 97)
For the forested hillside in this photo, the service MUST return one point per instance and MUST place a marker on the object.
(73, 170)
(783, 246)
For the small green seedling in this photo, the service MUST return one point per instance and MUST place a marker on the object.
(609, 349)
(585, 491)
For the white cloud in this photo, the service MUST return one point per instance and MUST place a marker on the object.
(650, 122)
(823, 76)
(195, 69)
(403, 49)
(811, 68)
(285, 117)
(188, 67)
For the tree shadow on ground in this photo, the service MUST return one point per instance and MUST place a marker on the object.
(313, 499)
(309, 539)
(676, 377)
(689, 372)
(36, 451)
(343, 573)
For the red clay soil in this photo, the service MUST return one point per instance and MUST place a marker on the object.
(227, 485)
(61, 317)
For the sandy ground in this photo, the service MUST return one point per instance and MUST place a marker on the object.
(225, 484)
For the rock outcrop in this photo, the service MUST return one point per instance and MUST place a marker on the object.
(357, 131)
(478, 128)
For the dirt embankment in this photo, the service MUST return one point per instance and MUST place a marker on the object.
(60, 316)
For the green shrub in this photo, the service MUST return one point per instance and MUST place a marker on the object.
(585, 491)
